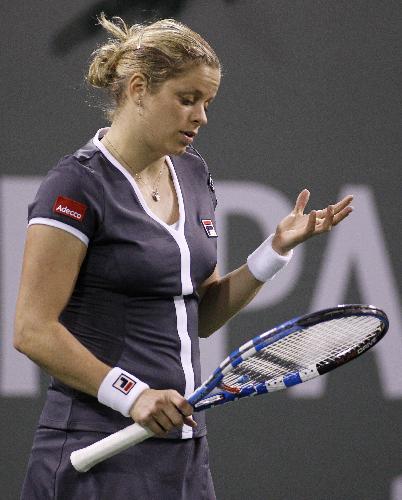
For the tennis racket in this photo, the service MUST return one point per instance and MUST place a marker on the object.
(289, 354)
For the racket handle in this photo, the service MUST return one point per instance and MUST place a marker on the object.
(85, 458)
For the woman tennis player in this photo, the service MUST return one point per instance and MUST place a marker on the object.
(119, 277)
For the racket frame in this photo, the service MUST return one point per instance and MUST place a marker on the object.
(200, 400)
(204, 397)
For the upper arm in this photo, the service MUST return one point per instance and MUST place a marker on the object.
(52, 260)
(64, 216)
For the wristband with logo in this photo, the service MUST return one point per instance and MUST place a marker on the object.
(119, 390)
(264, 263)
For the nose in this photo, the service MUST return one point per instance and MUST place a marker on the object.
(200, 115)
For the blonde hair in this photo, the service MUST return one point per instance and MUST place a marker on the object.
(160, 51)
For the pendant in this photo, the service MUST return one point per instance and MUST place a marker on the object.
(155, 195)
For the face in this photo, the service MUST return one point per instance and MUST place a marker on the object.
(172, 116)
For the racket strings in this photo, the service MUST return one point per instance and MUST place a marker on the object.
(302, 349)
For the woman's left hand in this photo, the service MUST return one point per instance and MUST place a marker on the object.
(298, 227)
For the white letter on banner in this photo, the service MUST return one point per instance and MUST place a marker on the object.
(396, 488)
(19, 376)
(359, 243)
(266, 207)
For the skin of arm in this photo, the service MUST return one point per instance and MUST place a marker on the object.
(222, 298)
(52, 260)
(51, 264)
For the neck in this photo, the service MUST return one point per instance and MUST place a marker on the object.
(134, 153)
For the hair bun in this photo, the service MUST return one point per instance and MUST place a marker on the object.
(102, 70)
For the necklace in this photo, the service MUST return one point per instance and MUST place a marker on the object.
(154, 188)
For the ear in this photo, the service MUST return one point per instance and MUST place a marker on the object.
(137, 86)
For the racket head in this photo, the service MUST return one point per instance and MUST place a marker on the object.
(293, 352)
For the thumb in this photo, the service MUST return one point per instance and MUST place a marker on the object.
(190, 421)
(302, 201)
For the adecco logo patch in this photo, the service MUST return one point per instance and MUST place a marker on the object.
(70, 208)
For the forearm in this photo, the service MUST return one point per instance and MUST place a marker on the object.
(224, 298)
(59, 353)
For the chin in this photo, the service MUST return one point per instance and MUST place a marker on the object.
(178, 150)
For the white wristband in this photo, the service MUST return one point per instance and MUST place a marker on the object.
(119, 390)
(264, 263)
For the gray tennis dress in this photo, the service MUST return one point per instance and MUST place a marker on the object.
(134, 305)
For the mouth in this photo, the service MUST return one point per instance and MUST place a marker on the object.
(188, 136)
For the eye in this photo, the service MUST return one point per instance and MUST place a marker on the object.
(186, 102)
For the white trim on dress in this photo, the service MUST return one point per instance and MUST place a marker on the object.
(60, 225)
(187, 285)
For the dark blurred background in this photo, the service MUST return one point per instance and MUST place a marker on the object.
(311, 97)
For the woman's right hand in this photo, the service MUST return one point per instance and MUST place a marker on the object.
(161, 410)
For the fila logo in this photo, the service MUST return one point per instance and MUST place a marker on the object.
(124, 384)
(71, 208)
(209, 228)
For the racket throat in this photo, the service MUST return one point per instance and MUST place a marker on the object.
(226, 394)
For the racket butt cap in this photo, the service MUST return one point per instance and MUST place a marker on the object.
(77, 462)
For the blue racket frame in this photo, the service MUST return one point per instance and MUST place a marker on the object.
(210, 393)
(203, 398)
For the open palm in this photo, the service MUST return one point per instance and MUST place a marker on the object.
(298, 226)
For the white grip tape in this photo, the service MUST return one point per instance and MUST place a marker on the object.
(264, 263)
(84, 459)
(119, 390)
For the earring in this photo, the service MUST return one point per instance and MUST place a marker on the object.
(139, 105)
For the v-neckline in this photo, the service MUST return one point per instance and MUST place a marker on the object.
(171, 228)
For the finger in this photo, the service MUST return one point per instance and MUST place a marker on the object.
(338, 207)
(175, 416)
(153, 426)
(342, 215)
(178, 419)
(182, 405)
(302, 201)
(190, 421)
(311, 222)
(321, 213)
(164, 421)
(327, 224)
